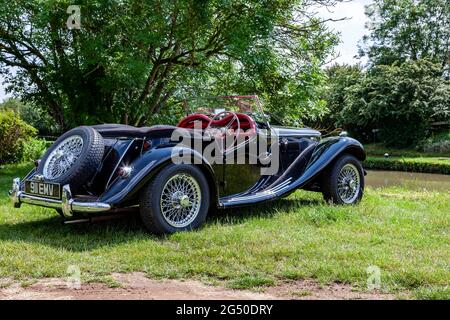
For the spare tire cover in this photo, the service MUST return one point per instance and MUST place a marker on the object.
(73, 158)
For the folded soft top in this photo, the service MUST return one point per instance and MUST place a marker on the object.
(123, 130)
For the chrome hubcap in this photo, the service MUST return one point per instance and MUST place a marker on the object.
(348, 183)
(180, 200)
(63, 157)
(352, 184)
(184, 201)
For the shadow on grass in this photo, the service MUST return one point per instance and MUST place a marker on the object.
(89, 236)
(267, 210)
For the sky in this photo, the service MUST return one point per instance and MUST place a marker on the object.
(2, 90)
(351, 31)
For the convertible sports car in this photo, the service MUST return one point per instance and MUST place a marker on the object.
(225, 154)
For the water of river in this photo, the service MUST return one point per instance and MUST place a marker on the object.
(410, 180)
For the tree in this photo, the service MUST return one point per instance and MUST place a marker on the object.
(340, 78)
(401, 100)
(132, 58)
(402, 30)
(288, 84)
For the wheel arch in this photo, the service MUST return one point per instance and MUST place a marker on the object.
(204, 167)
(147, 167)
(325, 154)
(356, 151)
(315, 183)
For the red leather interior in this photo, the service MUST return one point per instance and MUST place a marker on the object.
(188, 122)
(247, 124)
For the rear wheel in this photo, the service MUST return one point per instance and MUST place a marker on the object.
(176, 199)
(343, 181)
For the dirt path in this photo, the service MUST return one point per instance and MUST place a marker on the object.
(137, 286)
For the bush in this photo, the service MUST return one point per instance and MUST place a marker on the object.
(31, 114)
(14, 132)
(33, 149)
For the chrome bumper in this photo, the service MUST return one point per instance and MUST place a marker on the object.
(67, 204)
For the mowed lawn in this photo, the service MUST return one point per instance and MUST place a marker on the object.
(406, 234)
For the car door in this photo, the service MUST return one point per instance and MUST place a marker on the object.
(246, 164)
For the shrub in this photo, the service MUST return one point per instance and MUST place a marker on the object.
(13, 133)
(31, 114)
(33, 149)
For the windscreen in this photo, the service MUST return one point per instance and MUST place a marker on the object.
(210, 106)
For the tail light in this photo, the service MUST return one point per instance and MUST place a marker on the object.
(147, 145)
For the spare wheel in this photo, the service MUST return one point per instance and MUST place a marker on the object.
(73, 158)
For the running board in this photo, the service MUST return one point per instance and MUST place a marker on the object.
(263, 195)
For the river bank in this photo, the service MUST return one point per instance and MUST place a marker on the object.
(408, 160)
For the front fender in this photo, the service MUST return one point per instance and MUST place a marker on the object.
(144, 168)
(325, 152)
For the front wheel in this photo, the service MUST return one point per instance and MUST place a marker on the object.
(176, 199)
(343, 181)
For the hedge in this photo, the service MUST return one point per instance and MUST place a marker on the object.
(426, 165)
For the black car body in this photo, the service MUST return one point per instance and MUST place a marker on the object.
(132, 167)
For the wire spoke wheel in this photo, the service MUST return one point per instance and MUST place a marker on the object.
(180, 200)
(348, 183)
(63, 157)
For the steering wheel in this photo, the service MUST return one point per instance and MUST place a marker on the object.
(226, 128)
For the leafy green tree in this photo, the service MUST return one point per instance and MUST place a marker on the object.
(132, 59)
(401, 100)
(403, 30)
(289, 89)
(340, 78)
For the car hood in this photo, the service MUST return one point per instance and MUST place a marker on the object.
(295, 132)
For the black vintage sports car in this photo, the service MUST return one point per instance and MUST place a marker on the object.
(226, 154)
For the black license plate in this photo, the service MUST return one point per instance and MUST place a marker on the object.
(43, 189)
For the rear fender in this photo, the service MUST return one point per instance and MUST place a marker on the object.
(145, 167)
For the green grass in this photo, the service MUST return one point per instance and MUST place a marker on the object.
(405, 233)
(406, 160)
